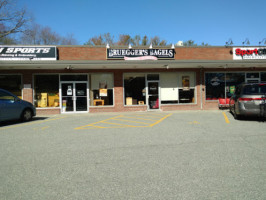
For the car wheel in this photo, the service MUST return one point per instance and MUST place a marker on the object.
(26, 115)
(236, 116)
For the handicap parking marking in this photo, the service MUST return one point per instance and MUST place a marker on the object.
(31, 123)
(126, 121)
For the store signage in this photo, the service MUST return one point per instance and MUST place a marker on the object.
(27, 53)
(142, 54)
(249, 53)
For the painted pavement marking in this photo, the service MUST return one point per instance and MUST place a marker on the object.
(226, 118)
(124, 121)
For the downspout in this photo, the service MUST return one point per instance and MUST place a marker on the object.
(201, 89)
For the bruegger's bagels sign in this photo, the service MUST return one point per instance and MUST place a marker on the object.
(249, 53)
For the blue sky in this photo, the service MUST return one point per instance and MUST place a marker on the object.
(209, 21)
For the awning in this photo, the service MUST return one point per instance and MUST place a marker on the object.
(132, 64)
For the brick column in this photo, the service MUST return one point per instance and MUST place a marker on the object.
(118, 90)
(27, 87)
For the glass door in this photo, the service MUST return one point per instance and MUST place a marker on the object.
(74, 97)
(153, 95)
(81, 97)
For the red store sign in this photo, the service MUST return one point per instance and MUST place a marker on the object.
(249, 53)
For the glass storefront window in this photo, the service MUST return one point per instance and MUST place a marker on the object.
(263, 76)
(222, 85)
(134, 89)
(11, 83)
(215, 86)
(73, 78)
(153, 77)
(101, 89)
(46, 91)
(177, 88)
(253, 75)
(232, 80)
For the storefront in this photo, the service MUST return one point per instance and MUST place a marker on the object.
(81, 79)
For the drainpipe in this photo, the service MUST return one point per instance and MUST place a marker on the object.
(201, 96)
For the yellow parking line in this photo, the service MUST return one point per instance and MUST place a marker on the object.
(122, 118)
(117, 124)
(161, 120)
(157, 117)
(226, 118)
(140, 118)
(131, 121)
(30, 123)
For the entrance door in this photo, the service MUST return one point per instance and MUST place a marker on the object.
(153, 95)
(74, 97)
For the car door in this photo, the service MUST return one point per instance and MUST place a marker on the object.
(9, 107)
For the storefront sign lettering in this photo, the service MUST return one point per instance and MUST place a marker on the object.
(27, 53)
(249, 53)
(159, 53)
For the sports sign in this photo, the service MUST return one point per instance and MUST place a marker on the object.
(27, 53)
(249, 53)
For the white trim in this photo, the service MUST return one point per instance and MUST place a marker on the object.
(89, 79)
(33, 89)
(74, 95)
(124, 102)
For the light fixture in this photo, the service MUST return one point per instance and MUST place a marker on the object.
(129, 46)
(263, 40)
(107, 46)
(229, 42)
(246, 42)
(150, 46)
(69, 67)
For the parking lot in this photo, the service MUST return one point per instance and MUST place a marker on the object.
(140, 155)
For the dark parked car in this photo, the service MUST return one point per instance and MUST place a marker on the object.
(13, 108)
(249, 100)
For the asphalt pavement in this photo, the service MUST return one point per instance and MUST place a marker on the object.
(141, 155)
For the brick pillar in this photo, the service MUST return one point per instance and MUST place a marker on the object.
(118, 90)
(27, 87)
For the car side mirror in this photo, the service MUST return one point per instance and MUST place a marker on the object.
(17, 99)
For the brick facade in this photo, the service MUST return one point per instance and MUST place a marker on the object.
(79, 53)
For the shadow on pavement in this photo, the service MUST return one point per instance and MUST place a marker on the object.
(248, 118)
(15, 122)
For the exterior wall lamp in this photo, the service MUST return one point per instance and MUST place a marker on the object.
(229, 42)
(263, 40)
(246, 42)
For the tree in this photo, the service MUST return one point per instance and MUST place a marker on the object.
(101, 40)
(190, 43)
(8, 40)
(38, 35)
(69, 40)
(156, 41)
(145, 41)
(12, 19)
(136, 40)
(124, 40)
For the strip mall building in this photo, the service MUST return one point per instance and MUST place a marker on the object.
(71, 79)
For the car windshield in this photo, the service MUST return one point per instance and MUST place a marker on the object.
(259, 89)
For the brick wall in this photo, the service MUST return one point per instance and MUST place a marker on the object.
(81, 53)
(203, 53)
(182, 53)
